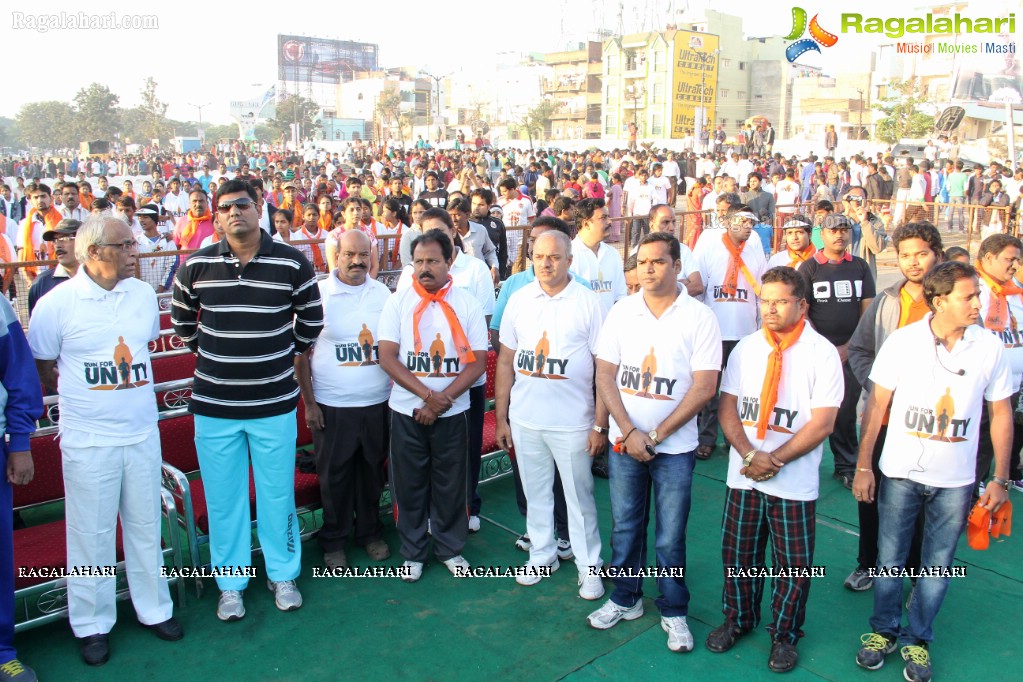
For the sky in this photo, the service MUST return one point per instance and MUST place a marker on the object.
(209, 53)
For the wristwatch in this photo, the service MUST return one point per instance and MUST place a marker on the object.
(653, 437)
(1000, 481)
(600, 429)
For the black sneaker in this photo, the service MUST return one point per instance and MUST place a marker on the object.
(875, 647)
(918, 663)
(845, 479)
(723, 637)
(783, 657)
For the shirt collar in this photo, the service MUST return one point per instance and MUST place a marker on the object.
(537, 291)
(336, 287)
(88, 289)
(822, 259)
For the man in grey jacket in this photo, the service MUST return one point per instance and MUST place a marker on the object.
(919, 249)
(869, 235)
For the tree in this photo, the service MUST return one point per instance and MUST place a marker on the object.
(96, 115)
(292, 108)
(537, 121)
(903, 116)
(389, 110)
(47, 124)
(154, 111)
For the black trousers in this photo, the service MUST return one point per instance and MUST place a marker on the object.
(867, 557)
(430, 480)
(477, 410)
(350, 453)
(843, 440)
(708, 417)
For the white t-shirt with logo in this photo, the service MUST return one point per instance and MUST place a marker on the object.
(786, 193)
(738, 316)
(604, 271)
(437, 363)
(811, 378)
(639, 195)
(100, 340)
(554, 339)
(1012, 337)
(656, 358)
(345, 363)
(935, 413)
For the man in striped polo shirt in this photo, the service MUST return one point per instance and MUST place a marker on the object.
(260, 307)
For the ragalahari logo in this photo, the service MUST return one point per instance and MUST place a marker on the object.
(817, 36)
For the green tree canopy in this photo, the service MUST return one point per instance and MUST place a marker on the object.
(292, 108)
(47, 124)
(902, 114)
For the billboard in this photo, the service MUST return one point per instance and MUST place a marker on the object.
(302, 59)
(254, 109)
(694, 80)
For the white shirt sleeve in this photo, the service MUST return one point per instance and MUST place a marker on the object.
(885, 371)
(1000, 386)
(609, 347)
(389, 326)
(706, 343)
(731, 377)
(44, 333)
(829, 381)
(483, 288)
(508, 336)
(596, 317)
(476, 328)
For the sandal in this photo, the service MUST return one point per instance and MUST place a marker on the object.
(704, 451)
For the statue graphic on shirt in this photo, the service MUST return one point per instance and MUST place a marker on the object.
(123, 358)
(649, 368)
(366, 343)
(543, 352)
(437, 350)
(944, 409)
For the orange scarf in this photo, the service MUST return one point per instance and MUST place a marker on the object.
(394, 259)
(998, 316)
(735, 266)
(28, 253)
(278, 198)
(769, 394)
(317, 252)
(798, 257)
(326, 222)
(191, 227)
(86, 199)
(297, 218)
(465, 354)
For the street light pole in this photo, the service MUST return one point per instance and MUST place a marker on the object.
(859, 131)
(200, 107)
(437, 80)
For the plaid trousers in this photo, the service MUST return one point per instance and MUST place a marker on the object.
(750, 518)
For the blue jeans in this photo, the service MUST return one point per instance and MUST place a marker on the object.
(945, 511)
(671, 476)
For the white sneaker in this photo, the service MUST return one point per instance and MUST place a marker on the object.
(590, 586)
(474, 524)
(458, 566)
(524, 543)
(533, 572)
(608, 615)
(286, 594)
(413, 571)
(230, 606)
(679, 638)
(565, 552)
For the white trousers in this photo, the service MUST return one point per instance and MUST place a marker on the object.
(538, 453)
(901, 197)
(101, 483)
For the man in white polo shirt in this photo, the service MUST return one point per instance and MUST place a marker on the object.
(94, 333)
(345, 395)
(592, 259)
(433, 344)
(779, 397)
(471, 274)
(732, 265)
(549, 334)
(929, 456)
(657, 365)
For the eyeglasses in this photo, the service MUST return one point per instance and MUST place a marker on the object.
(777, 302)
(242, 204)
(121, 246)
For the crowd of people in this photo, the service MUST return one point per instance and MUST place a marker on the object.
(625, 348)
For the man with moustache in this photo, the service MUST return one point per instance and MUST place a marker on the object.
(345, 395)
(197, 224)
(592, 258)
(433, 344)
(70, 201)
(63, 238)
